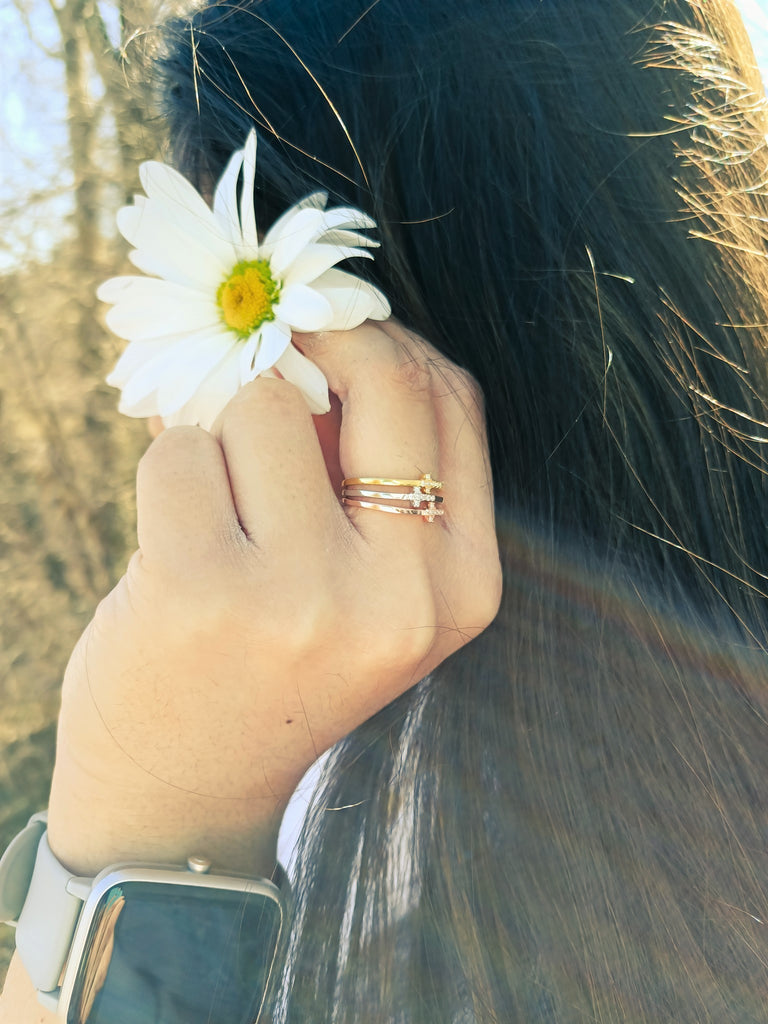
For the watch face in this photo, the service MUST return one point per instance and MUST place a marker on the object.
(176, 954)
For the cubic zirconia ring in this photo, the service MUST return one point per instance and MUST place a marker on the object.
(418, 501)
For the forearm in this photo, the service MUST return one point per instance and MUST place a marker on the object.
(98, 819)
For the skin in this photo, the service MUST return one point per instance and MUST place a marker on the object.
(260, 620)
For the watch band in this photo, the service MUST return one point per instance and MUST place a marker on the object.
(47, 922)
(43, 900)
(16, 867)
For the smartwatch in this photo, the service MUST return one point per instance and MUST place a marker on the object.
(141, 943)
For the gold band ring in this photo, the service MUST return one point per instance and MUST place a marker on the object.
(426, 482)
(421, 500)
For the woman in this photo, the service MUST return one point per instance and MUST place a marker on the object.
(564, 820)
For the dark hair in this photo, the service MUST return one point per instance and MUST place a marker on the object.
(567, 821)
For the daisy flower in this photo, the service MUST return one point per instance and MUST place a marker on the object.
(220, 305)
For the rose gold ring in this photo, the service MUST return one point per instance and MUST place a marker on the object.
(418, 501)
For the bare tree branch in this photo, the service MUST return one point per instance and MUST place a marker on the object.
(23, 13)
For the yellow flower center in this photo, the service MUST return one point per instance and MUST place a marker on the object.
(247, 297)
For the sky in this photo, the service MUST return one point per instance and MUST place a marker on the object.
(32, 131)
(755, 14)
(32, 123)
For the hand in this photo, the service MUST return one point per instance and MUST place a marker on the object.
(261, 620)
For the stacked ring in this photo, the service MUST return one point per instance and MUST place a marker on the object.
(418, 501)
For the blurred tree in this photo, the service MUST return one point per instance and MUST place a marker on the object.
(67, 461)
(122, 101)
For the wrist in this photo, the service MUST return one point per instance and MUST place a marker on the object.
(105, 809)
(120, 790)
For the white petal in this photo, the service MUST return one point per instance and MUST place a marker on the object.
(247, 215)
(212, 395)
(247, 356)
(202, 273)
(263, 349)
(307, 377)
(298, 231)
(165, 184)
(225, 199)
(274, 338)
(177, 248)
(342, 236)
(303, 308)
(175, 257)
(205, 232)
(113, 289)
(347, 217)
(178, 418)
(352, 300)
(132, 288)
(142, 408)
(133, 358)
(315, 259)
(316, 201)
(169, 360)
(201, 357)
(153, 309)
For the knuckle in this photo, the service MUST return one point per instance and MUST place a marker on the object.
(490, 593)
(466, 384)
(416, 643)
(482, 587)
(264, 395)
(167, 449)
(459, 382)
(412, 375)
(398, 652)
(311, 620)
(412, 627)
(310, 626)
